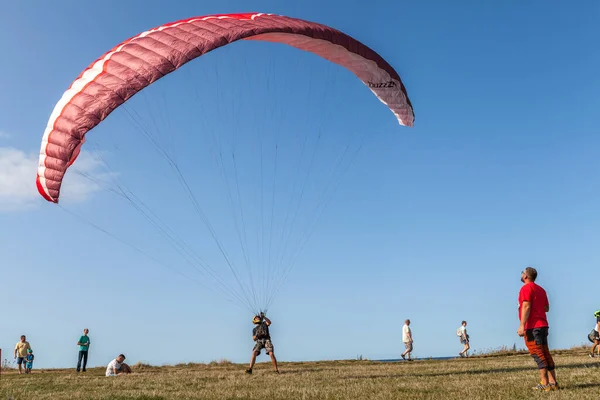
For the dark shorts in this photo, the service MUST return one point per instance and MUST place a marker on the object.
(593, 336)
(536, 341)
(263, 344)
(21, 360)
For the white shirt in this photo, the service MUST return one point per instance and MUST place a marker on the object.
(406, 334)
(462, 329)
(113, 364)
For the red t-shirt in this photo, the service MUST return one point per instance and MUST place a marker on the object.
(536, 296)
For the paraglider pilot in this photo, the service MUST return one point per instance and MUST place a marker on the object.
(262, 339)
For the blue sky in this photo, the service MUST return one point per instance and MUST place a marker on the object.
(432, 223)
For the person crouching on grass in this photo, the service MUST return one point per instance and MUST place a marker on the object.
(533, 306)
(117, 367)
(260, 334)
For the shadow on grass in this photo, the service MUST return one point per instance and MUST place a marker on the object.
(473, 372)
(508, 369)
(583, 385)
(301, 370)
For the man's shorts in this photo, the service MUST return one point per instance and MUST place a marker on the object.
(536, 341)
(263, 344)
(408, 346)
(21, 360)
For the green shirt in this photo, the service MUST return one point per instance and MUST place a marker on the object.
(84, 339)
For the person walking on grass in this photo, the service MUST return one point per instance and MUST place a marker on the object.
(21, 352)
(594, 335)
(260, 334)
(533, 306)
(463, 336)
(84, 346)
(29, 361)
(407, 339)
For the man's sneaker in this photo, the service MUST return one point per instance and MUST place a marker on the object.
(554, 386)
(249, 371)
(402, 355)
(410, 359)
(545, 388)
(591, 355)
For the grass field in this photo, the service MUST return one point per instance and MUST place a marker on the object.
(491, 377)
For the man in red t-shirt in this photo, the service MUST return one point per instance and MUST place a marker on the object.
(533, 306)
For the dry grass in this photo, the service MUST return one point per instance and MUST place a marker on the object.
(501, 352)
(498, 377)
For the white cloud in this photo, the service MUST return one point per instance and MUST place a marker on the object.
(17, 180)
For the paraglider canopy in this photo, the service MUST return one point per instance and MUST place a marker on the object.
(275, 180)
(143, 59)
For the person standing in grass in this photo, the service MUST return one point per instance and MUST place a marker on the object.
(260, 334)
(407, 339)
(84, 346)
(533, 306)
(21, 351)
(594, 335)
(462, 334)
(29, 361)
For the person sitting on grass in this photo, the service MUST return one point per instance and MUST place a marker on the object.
(260, 334)
(29, 361)
(117, 367)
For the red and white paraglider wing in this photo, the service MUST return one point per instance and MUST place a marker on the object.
(136, 63)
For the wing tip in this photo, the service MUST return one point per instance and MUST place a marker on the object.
(42, 190)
